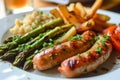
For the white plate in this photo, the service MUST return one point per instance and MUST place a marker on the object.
(8, 72)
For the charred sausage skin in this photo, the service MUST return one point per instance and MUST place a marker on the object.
(53, 56)
(87, 61)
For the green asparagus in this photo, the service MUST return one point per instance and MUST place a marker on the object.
(12, 53)
(10, 39)
(38, 43)
(28, 63)
(30, 34)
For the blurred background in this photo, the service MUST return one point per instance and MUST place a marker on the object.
(8, 7)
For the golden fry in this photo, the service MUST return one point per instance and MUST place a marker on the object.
(94, 8)
(80, 19)
(86, 26)
(71, 7)
(77, 13)
(100, 25)
(55, 13)
(68, 35)
(68, 17)
(101, 17)
(80, 9)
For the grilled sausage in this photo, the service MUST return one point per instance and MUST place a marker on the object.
(54, 56)
(87, 61)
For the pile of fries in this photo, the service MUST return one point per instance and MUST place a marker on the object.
(81, 17)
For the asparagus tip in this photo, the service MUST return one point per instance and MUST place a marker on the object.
(28, 65)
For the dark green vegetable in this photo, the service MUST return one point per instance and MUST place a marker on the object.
(30, 34)
(106, 36)
(96, 38)
(10, 39)
(99, 49)
(28, 63)
(58, 42)
(77, 37)
(50, 43)
(45, 44)
(103, 41)
(79, 55)
(38, 43)
(12, 53)
(88, 52)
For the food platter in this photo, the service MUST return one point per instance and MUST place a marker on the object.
(8, 72)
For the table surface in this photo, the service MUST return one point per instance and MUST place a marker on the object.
(112, 5)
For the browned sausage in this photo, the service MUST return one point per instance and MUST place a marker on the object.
(54, 56)
(87, 61)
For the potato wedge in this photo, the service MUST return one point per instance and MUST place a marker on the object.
(71, 6)
(55, 13)
(67, 35)
(79, 9)
(80, 19)
(94, 8)
(68, 17)
(101, 17)
(100, 25)
(88, 25)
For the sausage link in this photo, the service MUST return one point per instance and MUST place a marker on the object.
(53, 56)
(87, 61)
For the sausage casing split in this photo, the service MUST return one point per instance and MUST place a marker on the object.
(87, 61)
(53, 56)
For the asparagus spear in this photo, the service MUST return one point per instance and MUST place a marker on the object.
(30, 34)
(58, 30)
(10, 39)
(9, 54)
(28, 63)
(12, 53)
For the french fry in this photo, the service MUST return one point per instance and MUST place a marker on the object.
(101, 24)
(94, 8)
(81, 20)
(78, 13)
(86, 10)
(68, 17)
(79, 9)
(88, 25)
(55, 13)
(68, 35)
(71, 7)
(101, 17)
(64, 11)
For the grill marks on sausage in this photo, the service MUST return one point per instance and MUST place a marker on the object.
(70, 47)
(74, 62)
(53, 56)
(71, 63)
(65, 49)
